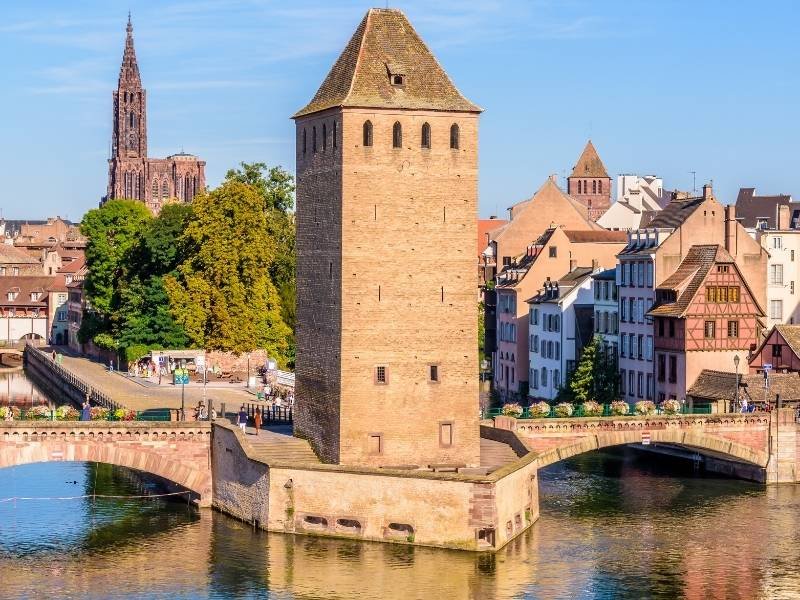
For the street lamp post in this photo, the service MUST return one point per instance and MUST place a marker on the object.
(736, 391)
(183, 403)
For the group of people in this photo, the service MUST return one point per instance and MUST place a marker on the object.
(242, 418)
(278, 397)
(201, 412)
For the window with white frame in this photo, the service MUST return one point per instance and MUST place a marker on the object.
(649, 348)
(776, 274)
(650, 274)
(776, 309)
(777, 242)
(623, 338)
(544, 376)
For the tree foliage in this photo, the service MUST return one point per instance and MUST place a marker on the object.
(595, 377)
(222, 293)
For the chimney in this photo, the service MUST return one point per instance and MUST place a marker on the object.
(573, 264)
(708, 192)
(595, 264)
(554, 178)
(731, 243)
(783, 217)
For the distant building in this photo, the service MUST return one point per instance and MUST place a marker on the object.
(560, 325)
(780, 349)
(783, 274)
(487, 266)
(606, 311)
(717, 389)
(589, 183)
(767, 212)
(639, 199)
(705, 317)
(554, 253)
(131, 174)
(16, 261)
(23, 308)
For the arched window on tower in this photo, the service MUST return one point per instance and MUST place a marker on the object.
(334, 133)
(164, 190)
(132, 119)
(454, 135)
(397, 135)
(324, 137)
(367, 133)
(154, 191)
(594, 186)
(599, 186)
(179, 188)
(187, 187)
(426, 135)
(137, 190)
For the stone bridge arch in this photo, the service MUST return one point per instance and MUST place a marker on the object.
(696, 440)
(177, 452)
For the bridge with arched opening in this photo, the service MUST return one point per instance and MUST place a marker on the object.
(176, 452)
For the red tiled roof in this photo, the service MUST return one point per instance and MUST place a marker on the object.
(13, 255)
(589, 164)
(688, 278)
(24, 286)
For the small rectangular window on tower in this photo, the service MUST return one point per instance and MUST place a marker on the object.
(381, 375)
(433, 373)
(445, 435)
(375, 443)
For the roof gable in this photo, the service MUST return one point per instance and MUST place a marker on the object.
(386, 44)
(589, 164)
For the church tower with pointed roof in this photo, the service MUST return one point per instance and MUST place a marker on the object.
(589, 183)
(387, 174)
(131, 174)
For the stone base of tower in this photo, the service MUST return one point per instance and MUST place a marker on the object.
(463, 510)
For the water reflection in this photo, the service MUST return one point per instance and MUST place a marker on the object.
(612, 526)
(18, 390)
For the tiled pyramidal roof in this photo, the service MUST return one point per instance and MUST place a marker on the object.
(385, 44)
(589, 164)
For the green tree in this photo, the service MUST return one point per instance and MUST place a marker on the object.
(112, 231)
(583, 379)
(222, 294)
(595, 378)
(273, 184)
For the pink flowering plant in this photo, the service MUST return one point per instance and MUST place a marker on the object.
(99, 413)
(537, 410)
(619, 408)
(67, 413)
(4, 410)
(38, 413)
(512, 409)
(644, 407)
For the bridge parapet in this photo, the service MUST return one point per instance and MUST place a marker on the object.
(177, 452)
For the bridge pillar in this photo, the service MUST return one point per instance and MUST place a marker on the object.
(783, 464)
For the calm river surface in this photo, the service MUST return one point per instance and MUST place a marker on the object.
(613, 525)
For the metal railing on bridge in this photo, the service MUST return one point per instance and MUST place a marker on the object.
(578, 411)
(45, 361)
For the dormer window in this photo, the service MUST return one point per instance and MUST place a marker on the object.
(396, 75)
(35, 296)
(398, 80)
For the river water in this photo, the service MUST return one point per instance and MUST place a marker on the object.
(613, 525)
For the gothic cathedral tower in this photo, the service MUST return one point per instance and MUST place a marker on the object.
(387, 175)
(129, 139)
(131, 174)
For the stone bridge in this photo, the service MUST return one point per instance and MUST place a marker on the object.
(768, 441)
(177, 452)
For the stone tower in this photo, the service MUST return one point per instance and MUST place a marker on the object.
(131, 174)
(590, 183)
(387, 174)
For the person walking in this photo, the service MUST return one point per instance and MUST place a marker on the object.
(9, 413)
(241, 419)
(86, 410)
(257, 419)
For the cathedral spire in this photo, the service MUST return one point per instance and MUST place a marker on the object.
(129, 71)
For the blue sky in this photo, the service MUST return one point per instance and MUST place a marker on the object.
(663, 87)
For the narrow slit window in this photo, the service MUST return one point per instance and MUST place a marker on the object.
(324, 137)
(397, 135)
(426, 136)
(314, 139)
(454, 135)
(305, 143)
(433, 373)
(367, 133)
(335, 128)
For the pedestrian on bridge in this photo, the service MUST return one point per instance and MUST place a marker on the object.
(241, 419)
(257, 419)
(86, 411)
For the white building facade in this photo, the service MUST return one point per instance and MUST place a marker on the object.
(559, 325)
(606, 311)
(637, 196)
(783, 275)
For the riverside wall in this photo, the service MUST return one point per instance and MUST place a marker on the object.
(449, 510)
